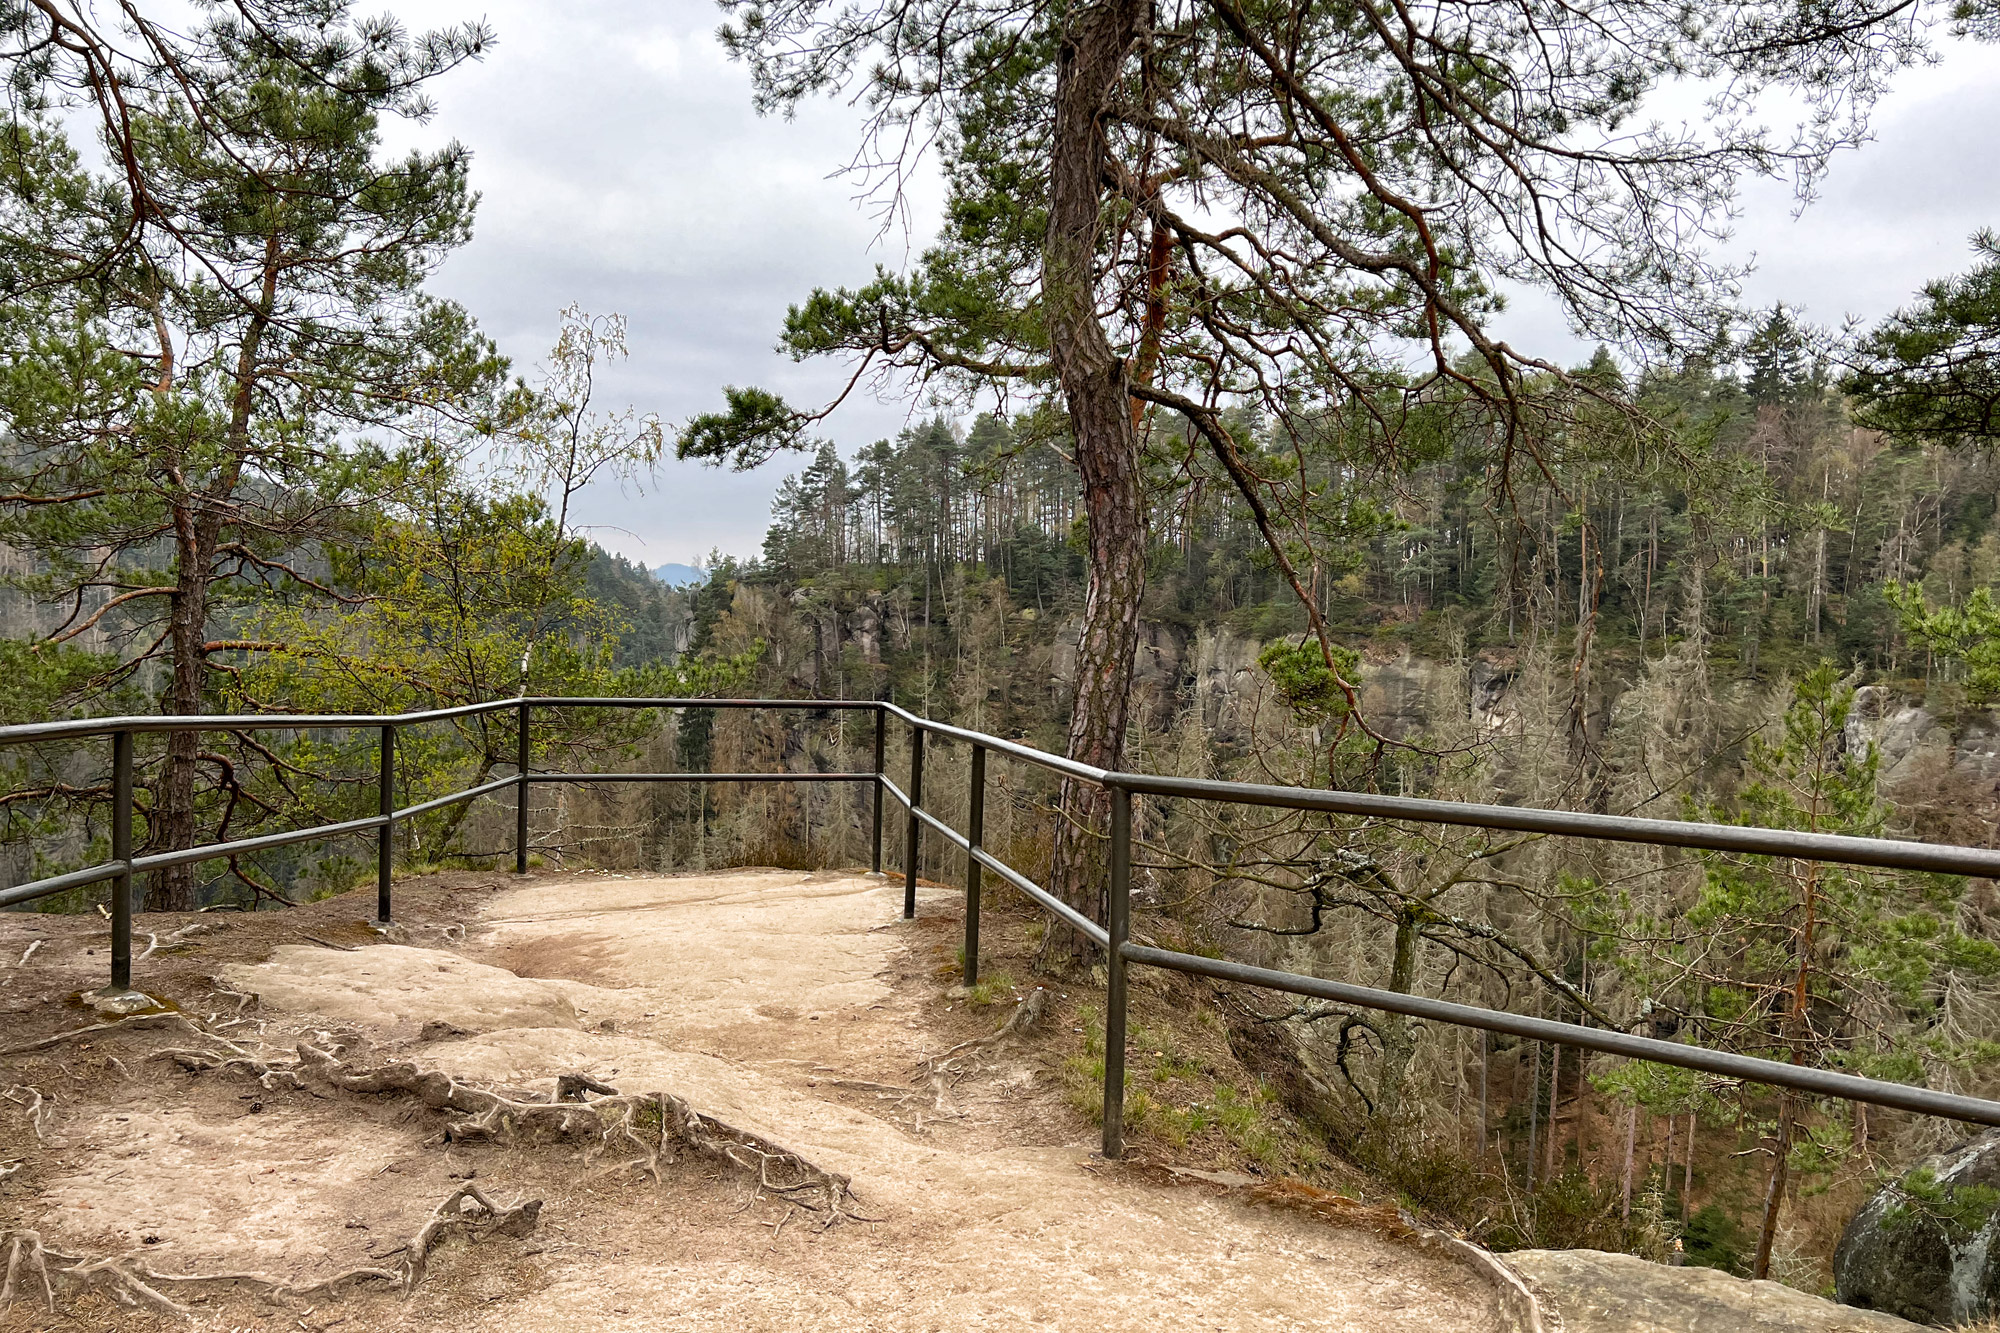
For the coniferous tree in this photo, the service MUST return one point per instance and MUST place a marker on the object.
(194, 347)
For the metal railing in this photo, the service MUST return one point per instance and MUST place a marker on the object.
(1113, 936)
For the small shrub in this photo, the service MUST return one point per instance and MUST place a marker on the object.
(1714, 1240)
(991, 990)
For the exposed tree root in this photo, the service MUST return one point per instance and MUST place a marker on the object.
(466, 1212)
(938, 1073)
(37, 1108)
(1026, 1017)
(270, 1077)
(936, 1076)
(658, 1126)
(134, 1022)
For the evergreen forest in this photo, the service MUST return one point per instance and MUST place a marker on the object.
(1213, 467)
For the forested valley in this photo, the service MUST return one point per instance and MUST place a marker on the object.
(1776, 618)
(1269, 504)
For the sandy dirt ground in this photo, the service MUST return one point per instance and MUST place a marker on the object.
(778, 1001)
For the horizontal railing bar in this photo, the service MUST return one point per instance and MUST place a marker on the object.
(242, 846)
(1056, 763)
(471, 793)
(1830, 847)
(889, 785)
(1750, 1069)
(42, 888)
(105, 726)
(1070, 915)
(1882, 852)
(581, 778)
(951, 834)
(613, 701)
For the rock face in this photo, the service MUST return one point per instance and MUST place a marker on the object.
(1590, 1291)
(1920, 1265)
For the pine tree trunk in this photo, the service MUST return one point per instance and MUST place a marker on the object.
(1534, 1112)
(198, 518)
(1549, 1149)
(170, 823)
(1485, 1046)
(1774, 1191)
(1631, 1144)
(1687, 1175)
(1094, 382)
(1399, 1046)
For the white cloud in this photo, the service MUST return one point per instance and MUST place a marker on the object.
(623, 166)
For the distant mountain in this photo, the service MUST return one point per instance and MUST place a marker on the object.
(679, 576)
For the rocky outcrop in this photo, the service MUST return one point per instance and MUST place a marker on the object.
(1899, 730)
(1590, 1291)
(1930, 1258)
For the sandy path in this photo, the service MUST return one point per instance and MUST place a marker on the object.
(779, 978)
(749, 994)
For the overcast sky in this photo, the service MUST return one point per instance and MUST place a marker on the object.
(623, 167)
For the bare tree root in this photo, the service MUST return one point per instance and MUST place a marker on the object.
(655, 1125)
(936, 1076)
(270, 1077)
(466, 1212)
(36, 1107)
(940, 1071)
(133, 1023)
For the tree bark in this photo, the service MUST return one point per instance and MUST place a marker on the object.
(170, 823)
(1399, 1044)
(1631, 1143)
(1774, 1190)
(1095, 383)
(198, 519)
(1687, 1175)
(1534, 1116)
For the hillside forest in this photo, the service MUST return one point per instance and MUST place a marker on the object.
(1733, 567)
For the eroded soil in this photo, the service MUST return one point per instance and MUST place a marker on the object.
(798, 1007)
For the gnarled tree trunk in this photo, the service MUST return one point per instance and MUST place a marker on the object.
(1095, 383)
(171, 821)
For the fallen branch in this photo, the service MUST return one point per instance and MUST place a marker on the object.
(465, 1212)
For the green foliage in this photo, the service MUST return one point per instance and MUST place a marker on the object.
(1931, 371)
(1957, 1212)
(1967, 633)
(754, 426)
(1310, 688)
(1714, 1239)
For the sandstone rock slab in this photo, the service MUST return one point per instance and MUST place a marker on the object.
(1591, 1291)
(396, 985)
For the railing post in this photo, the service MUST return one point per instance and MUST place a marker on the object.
(875, 861)
(1117, 926)
(385, 837)
(521, 793)
(121, 850)
(975, 834)
(910, 839)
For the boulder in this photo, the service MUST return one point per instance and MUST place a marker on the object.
(1590, 1291)
(1928, 1256)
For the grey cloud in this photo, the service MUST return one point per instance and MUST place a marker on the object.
(623, 167)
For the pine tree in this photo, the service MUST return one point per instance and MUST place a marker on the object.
(184, 396)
